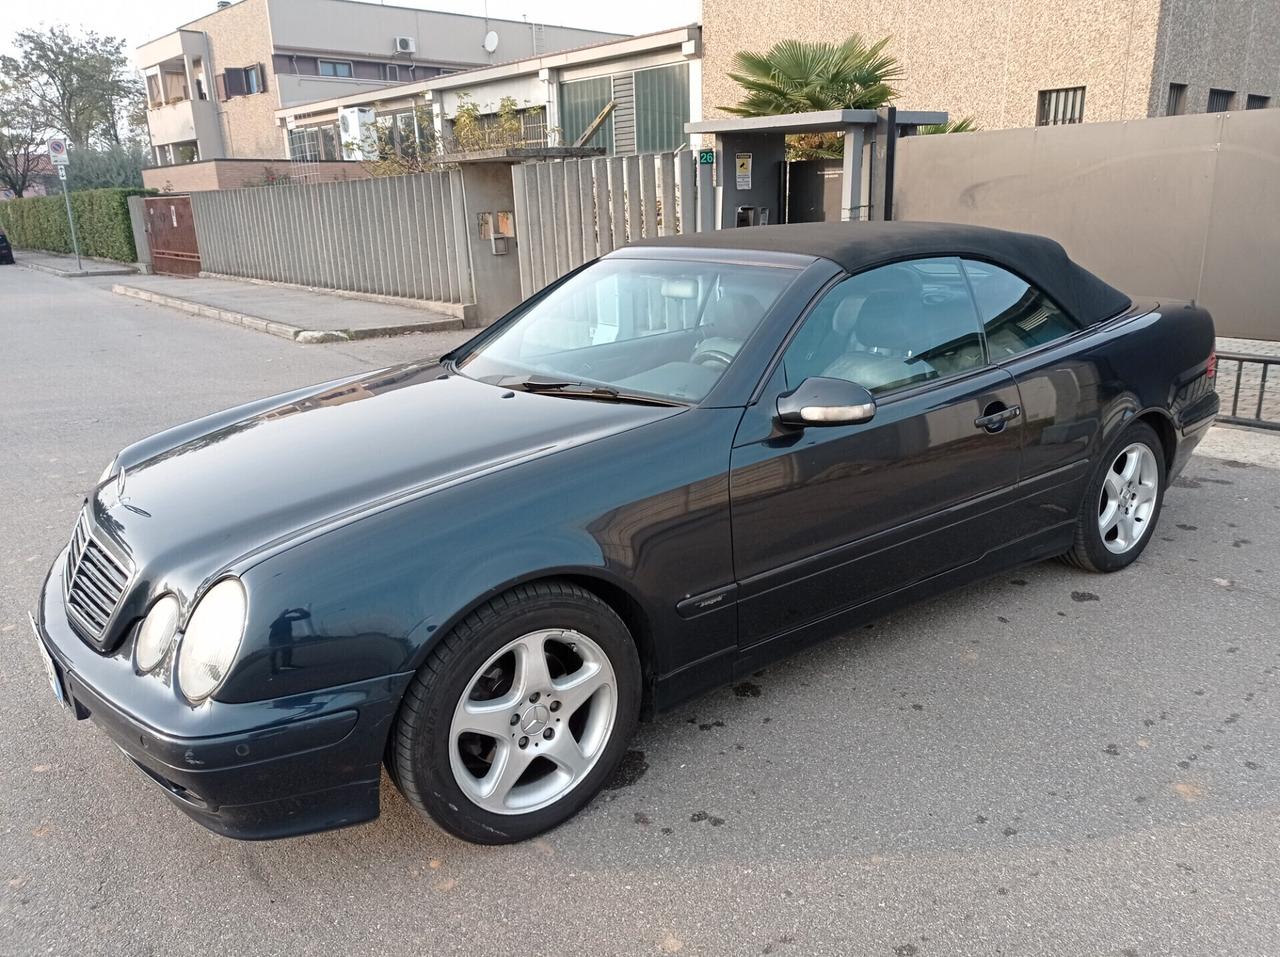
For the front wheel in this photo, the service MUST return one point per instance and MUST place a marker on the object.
(520, 714)
(1121, 503)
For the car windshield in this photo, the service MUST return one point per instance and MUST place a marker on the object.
(662, 328)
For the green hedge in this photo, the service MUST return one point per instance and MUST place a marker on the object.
(102, 223)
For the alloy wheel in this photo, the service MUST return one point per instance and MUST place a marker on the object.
(1128, 498)
(533, 721)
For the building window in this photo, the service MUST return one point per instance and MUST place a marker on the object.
(661, 108)
(242, 81)
(1220, 101)
(338, 68)
(581, 101)
(1257, 102)
(393, 72)
(1177, 99)
(1056, 107)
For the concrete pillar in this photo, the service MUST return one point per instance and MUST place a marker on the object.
(852, 195)
(141, 238)
(550, 81)
(488, 188)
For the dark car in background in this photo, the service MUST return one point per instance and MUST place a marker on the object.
(6, 251)
(673, 465)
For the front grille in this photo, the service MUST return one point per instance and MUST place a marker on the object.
(93, 583)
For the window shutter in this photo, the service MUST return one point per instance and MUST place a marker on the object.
(221, 82)
(262, 78)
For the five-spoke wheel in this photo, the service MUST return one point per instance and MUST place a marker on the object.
(1128, 498)
(1121, 503)
(519, 714)
(533, 722)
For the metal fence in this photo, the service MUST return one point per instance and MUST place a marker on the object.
(1244, 378)
(397, 236)
(570, 211)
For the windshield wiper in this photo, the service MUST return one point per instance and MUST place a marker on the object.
(582, 390)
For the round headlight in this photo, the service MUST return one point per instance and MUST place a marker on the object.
(211, 639)
(156, 634)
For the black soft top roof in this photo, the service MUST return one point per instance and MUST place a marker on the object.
(860, 246)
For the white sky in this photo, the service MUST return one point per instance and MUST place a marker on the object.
(142, 20)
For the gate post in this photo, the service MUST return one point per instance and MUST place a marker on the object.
(141, 240)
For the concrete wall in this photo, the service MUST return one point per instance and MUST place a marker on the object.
(296, 88)
(237, 174)
(990, 60)
(1178, 207)
(1208, 43)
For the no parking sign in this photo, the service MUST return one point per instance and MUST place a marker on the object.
(58, 151)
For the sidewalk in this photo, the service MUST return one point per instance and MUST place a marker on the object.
(65, 266)
(295, 314)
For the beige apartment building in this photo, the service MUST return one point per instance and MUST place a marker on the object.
(1012, 63)
(214, 85)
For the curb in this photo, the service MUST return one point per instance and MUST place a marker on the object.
(283, 329)
(464, 311)
(76, 273)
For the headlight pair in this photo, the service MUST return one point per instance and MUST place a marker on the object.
(209, 643)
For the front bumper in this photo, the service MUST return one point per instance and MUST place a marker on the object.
(264, 769)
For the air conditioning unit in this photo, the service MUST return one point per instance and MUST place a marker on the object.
(358, 132)
(406, 45)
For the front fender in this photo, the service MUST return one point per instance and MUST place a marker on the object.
(644, 511)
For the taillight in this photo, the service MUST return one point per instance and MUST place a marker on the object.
(1211, 367)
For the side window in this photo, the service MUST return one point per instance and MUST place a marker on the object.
(1017, 315)
(890, 328)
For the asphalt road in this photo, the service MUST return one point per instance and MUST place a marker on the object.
(1048, 763)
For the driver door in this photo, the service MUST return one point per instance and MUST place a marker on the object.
(826, 518)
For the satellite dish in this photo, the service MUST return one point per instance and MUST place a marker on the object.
(490, 41)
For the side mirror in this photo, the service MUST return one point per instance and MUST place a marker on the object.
(823, 401)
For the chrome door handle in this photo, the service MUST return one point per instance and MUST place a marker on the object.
(994, 421)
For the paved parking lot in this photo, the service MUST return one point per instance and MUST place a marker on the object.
(1048, 763)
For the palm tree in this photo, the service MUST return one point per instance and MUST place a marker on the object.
(799, 77)
(965, 125)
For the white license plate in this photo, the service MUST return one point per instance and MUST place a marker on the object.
(50, 670)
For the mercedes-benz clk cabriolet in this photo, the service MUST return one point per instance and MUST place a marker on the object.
(679, 462)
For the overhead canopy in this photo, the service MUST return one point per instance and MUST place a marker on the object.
(858, 246)
(819, 121)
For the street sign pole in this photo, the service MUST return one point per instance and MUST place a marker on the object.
(66, 194)
(58, 156)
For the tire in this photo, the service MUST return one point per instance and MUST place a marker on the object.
(1108, 541)
(567, 725)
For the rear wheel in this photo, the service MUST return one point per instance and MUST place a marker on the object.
(520, 714)
(1122, 503)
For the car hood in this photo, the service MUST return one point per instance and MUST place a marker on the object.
(215, 491)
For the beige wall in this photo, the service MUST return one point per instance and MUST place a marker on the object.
(240, 36)
(1209, 43)
(234, 174)
(990, 58)
(1171, 207)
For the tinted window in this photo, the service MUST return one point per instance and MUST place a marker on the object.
(1017, 315)
(664, 328)
(889, 328)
